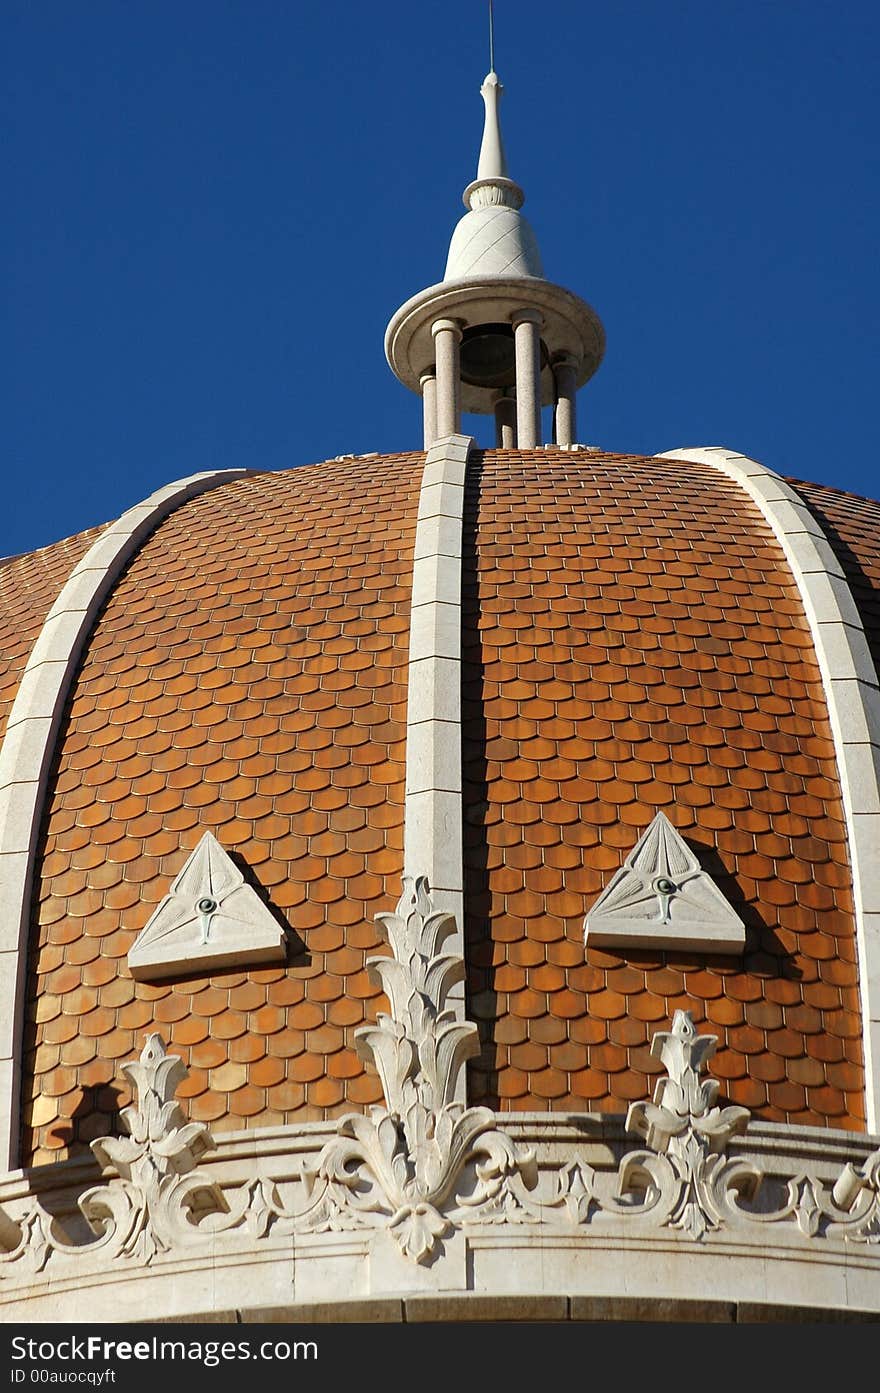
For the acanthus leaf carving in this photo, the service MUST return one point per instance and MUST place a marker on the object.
(156, 1201)
(421, 1169)
(687, 1180)
(411, 1156)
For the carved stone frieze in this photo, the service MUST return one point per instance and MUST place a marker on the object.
(424, 1166)
(157, 1198)
(857, 1194)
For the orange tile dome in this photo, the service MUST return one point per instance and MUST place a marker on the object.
(632, 640)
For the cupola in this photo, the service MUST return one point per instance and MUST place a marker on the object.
(495, 337)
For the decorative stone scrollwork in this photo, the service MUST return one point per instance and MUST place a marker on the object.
(156, 1200)
(154, 1203)
(688, 1177)
(404, 1161)
(425, 1165)
(857, 1192)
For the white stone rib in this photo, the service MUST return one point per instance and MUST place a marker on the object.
(853, 698)
(433, 816)
(28, 748)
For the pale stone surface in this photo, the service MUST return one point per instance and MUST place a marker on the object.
(527, 339)
(659, 1308)
(863, 761)
(433, 692)
(437, 580)
(433, 757)
(59, 634)
(229, 1317)
(40, 694)
(441, 499)
(211, 918)
(331, 1267)
(493, 238)
(446, 472)
(539, 1307)
(435, 631)
(433, 837)
(492, 162)
(495, 241)
(662, 897)
(79, 592)
(18, 823)
(872, 937)
(24, 749)
(447, 338)
(565, 416)
(377, 1311)
(438, 536)
(606, 1268)
(391, 1271)
(857, 705)
(568, 325)
(505, 423)
(429, 409)
(11, 973)
(495, 276)
(865, 846)
(812, 555)
(13, 875)
(846, 651)
(791, 516)
(832, 599)
(433, 806)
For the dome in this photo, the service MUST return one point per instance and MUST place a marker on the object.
(635, 642)
(632, 641)
(443, 884)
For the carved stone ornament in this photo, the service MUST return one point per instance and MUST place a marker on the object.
(662, 898)
(406, 1160)
(686, 1130)
(425, 1165)
(211, 918)
(156, 1201)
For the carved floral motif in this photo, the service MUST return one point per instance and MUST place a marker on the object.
(156, 1199)
(424, 1164)
(404, 1161)
(688, 1133)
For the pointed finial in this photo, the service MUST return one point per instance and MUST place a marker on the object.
(495, 324)
(492, 163)
(492, 186)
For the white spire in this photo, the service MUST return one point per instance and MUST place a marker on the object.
(495, 336)
(492, 163)
(493, 238)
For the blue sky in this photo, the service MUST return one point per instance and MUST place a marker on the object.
(213, 208)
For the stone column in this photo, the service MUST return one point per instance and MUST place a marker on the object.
(565, 377)
(527, 340)
(505, 423)
(447, 337)
(428, 384)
